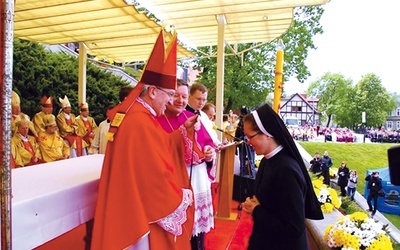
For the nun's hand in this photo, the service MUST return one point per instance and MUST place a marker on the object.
(249, 204)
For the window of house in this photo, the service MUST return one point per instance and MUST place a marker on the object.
(389, 124)
(296, 109)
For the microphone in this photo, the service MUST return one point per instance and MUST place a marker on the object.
(215, 127)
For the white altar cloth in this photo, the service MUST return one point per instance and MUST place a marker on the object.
(52, 198)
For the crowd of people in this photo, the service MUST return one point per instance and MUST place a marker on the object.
(47, 137)
(383, 135)
(347, 179)
(311, 133)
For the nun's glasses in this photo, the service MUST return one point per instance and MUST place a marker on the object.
(249, 137)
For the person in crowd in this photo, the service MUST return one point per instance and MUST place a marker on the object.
(51, 144)
(209, 110)
(47, 108)
(315, 164)
(197, 99)
(352, 184)
(99, 143)
(326, 164)
(374, 185)
(343, 178)
(229, 126)
(17, 115)
(225, 127)
(245, 152)
(124, 92)
(24, 148)
(87, 126)
(68, 127)
(284, 196)
(200, 163)
(142, 203)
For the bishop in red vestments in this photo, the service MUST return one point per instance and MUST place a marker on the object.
(144, 199)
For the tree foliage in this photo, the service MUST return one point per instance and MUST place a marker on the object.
(249, 75)
(37, 71)
(338, 98)
(334, 93)
(373, 99)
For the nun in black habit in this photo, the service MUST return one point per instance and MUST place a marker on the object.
(284, 196)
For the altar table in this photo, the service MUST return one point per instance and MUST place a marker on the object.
(50, 199)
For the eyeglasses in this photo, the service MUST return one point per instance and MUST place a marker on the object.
(249, 137)
(170, 94)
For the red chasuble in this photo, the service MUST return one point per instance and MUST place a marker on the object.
(140, 185)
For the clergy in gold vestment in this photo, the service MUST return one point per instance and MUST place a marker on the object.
(17, 115)
(66, 122)
(87, 127)
(47, 108)
(51, 144)
(24, 148)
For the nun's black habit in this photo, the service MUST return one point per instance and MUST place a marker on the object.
(284, 190)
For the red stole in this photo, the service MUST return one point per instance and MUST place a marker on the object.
(89, 130)
(74, 138)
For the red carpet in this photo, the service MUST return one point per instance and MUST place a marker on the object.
(226, 235)
(229, 234)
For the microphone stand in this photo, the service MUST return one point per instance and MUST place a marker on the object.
(226, 133)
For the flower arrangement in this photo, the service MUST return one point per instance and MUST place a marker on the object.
(327, 197)
(357, 231)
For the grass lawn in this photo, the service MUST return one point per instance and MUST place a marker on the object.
(359, 156)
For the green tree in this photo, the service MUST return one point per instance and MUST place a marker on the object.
(249, 73)
(373, 99)
(37, 71)
(338, 98)
(334, 93)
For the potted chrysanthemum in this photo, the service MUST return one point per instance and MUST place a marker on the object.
(327, 196)
(357, 231)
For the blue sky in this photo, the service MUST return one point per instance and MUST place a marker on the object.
(360, 37)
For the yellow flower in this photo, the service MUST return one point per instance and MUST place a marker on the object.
(327, 197)
(357, 231)
(327, 208)
(318, 183)
(358, 216)
(327, 230)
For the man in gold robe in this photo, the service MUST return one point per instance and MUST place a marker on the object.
(17, 115)
(24, 148)
(66, 122)
(51, 144)
(47, 108)
(87, 126)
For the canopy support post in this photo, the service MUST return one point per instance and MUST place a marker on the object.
(82, 73)
(6, 70)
